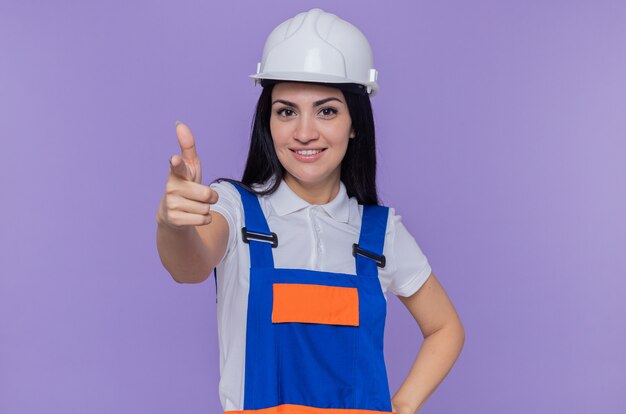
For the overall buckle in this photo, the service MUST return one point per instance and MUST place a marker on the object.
(380, 260)
(249, 235)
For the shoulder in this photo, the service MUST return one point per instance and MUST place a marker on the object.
(409, 267)
(229, 200)
(225, 186)
(391, 220)
(229, 206)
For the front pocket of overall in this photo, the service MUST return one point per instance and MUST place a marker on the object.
(316, 329)
(310, 303)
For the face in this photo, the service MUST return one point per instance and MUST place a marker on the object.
(311, 128)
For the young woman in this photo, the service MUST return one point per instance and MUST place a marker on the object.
(302, 250)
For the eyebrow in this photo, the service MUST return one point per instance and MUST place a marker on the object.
(316, 103)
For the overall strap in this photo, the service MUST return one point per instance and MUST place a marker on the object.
(369, 251)
(256, 231)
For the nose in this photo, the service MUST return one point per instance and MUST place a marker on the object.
(306, 130)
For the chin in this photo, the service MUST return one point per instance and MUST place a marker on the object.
(308, 178)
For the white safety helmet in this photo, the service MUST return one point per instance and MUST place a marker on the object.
(317, 46)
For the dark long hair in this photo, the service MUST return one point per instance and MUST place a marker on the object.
(358, 167)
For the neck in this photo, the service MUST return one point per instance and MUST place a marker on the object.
(316, 193)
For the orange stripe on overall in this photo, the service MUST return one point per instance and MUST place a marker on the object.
(302, 409)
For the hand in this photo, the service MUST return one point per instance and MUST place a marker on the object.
(186, 201)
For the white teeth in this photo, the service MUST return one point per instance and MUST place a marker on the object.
(309, 152)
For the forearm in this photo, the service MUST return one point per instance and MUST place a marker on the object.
(434, 360)
(183, 253)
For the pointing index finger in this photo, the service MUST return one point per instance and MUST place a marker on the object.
(186, 142)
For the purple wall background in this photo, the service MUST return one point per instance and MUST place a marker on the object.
(501, 126)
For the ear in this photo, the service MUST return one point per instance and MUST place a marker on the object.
(352, 133)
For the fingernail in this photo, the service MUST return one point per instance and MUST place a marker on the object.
(178, 122)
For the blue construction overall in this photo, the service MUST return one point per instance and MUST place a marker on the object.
(314, 340)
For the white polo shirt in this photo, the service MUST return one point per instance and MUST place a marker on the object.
(313, 237)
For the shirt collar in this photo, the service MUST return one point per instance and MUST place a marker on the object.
(284, 201)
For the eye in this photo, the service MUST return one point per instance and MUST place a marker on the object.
(328, 112)
(285, 112)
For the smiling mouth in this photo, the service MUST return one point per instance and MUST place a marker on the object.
(308, 152)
